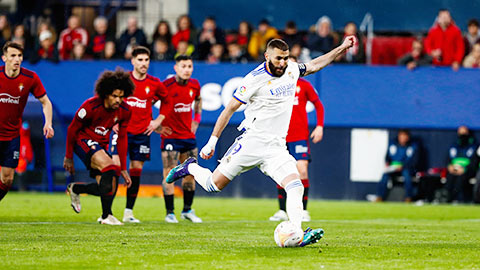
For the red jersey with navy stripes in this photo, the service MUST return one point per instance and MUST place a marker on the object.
(179, 119)
(147, 92)
(298, 128)
(14, 94)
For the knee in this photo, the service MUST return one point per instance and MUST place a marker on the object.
(188, 185)
(105, 187)
(7, 178)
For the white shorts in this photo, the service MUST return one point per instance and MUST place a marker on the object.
(249, 151)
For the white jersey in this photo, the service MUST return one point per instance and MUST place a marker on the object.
(269, 100)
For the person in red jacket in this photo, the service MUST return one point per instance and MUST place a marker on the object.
(70, 36)
(445, 42)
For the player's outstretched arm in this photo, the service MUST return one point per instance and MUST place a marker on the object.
(209, 149)
(47, 112)
(323, 61)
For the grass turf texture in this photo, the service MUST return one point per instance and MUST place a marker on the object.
(40, 231)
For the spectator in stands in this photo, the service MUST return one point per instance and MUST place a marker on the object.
(209, 35)
(183, 48)
(162, 31)
(79, 52)
(460, 168)
(322, 40)
(110, 52)
(161, 51)
(236, 54)
(244, 34)
(416, 57)
(5, 30)
(216, 54)
(259, 39)
(445, 42)
(45, 26)
(46, 50)
(131, 37)
(70, 36)
(472, 36)
(291, 35)
(356, 54)
(100, 37)
(473, 59)
(401, 160)
(22, 36)
(185, 32)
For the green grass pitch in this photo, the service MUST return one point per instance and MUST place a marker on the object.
(40, 231)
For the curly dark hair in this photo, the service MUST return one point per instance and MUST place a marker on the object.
(110, 81)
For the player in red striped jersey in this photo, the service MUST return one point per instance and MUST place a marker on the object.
(148, 90)
(181, 143)
(297, 141)
(88, 136)
(16, 84)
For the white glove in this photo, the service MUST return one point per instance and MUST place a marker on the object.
(209, 147)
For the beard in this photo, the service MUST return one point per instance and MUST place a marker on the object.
(276, 71)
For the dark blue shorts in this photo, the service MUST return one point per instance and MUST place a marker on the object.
(85, 150)
(138, 146)
(10, 153)
(179, 145)
(300, 150)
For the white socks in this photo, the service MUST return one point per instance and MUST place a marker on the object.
(203, 177)
(294, 205)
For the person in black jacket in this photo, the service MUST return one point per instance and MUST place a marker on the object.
(416, 57)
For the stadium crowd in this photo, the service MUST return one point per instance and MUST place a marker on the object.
(444, 45)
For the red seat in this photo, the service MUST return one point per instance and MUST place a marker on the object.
(387, 50)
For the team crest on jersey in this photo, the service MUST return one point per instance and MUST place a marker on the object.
(147, 89)
(291, 75)
(115, 119)
(298, 89)
(20, 87)
(191, 92)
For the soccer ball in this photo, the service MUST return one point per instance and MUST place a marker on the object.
(288, 235)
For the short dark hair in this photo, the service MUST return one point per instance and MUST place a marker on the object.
(404, 131)
(110, 81)
(293, 57)
(182, 57)
(473, 22)
(291, 25)
(140, 50)
(11, 44)
(277, 43)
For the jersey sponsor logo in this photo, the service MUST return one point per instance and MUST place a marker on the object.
(82, 113)
(182, 107)
(136, 102)
(101, 131)
(284, 90)
(6, 98)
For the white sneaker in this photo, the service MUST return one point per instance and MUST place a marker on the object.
(75, 199)
(190, 215)
(306, 216)
(128, 216)
(280, 215)
(170, 218)
(110, 220)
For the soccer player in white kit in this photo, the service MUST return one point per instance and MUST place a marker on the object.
(269, 92)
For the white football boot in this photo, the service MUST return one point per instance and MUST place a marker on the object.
(280, 215)
(128, 216)
(75, 198)
(170, 218)
(190, 215)
(110, 220)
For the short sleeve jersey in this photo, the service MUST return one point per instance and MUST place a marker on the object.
(180, 118)
(298, 129)
(146, 92)
(97, 121)
(14, 94)
(269, 100)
